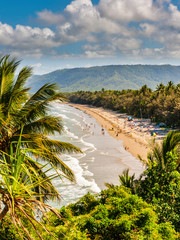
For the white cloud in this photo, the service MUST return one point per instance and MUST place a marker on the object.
(99, 50)
(109, 28)
(126, 44)
(85, 18)
(6, 33)
(174, 18)
(27, 41)
(50, 18)
(99, 54)
(23, 35)
(74, 6)
(130, 10)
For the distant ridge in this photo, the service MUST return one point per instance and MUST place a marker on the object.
(114, 77)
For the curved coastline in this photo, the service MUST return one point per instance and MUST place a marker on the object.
(135, 141)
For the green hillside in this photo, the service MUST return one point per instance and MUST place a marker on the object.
(115, 77)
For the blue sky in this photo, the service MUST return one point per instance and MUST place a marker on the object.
(57, 34)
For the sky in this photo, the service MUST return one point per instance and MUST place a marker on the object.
(56, 34)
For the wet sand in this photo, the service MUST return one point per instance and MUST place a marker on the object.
(136, 139)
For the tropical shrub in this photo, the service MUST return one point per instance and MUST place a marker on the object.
(116, 214)
(21, 204)
(160, 183)
(161, 187)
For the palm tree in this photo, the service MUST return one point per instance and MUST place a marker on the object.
(145, 90)
(159, 155)
(18, 181)
(160, 87)
(127, 181)
(19, 109)
(170, 86)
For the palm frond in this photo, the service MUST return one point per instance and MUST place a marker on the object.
(46, 125)
(128, 181)
(60, 147)
(171, 142)
(15, 103)
(17, 192)
(158, 153)
(23, 76)
(109, 185)
(146, 162)
(35, 109)
(49, 150)
(53, 159)
(8, 67)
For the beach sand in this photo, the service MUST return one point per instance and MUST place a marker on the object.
(135, 135)
(136, 138)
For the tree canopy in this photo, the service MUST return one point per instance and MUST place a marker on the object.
(161, 105)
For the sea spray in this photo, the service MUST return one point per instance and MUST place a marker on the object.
(103, 158)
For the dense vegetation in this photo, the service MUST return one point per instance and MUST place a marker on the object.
(25, 127)
(114, 214)
(115, 77)
(144, 208)
(161, 105)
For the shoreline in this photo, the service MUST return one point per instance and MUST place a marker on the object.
(135, 140)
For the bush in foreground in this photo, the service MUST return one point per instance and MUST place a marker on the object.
(113, 214)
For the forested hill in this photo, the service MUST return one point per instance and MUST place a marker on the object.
(114, 77)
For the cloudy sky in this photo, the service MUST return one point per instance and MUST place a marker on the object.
(56, 34)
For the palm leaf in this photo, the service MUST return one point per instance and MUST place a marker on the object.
(19, 197)
(46, 125)
(159, 152)
(126, 180)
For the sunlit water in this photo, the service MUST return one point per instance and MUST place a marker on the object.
(103, 158)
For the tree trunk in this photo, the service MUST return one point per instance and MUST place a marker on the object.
(4, 211)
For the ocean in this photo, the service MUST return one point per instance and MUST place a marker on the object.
(103, 158)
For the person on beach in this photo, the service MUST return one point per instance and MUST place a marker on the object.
(102, 131)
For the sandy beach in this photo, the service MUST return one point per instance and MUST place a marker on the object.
(135, 134)
(109, 142)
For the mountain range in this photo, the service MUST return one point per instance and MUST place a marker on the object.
(114, 77)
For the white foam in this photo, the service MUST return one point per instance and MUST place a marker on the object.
(88, 173)
(69, 133)
(63, 116)
(77, 122)
(87, 144)
(73, 163)
(74, 123)
(65, 111)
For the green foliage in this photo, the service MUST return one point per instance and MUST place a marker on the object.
(162, 188)
(113, 214)
(161, 105)
(25, 127)
(18, 108)
(84, 205)
(22, 204)
(127, 181)
(8, 231)
(116, 213)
